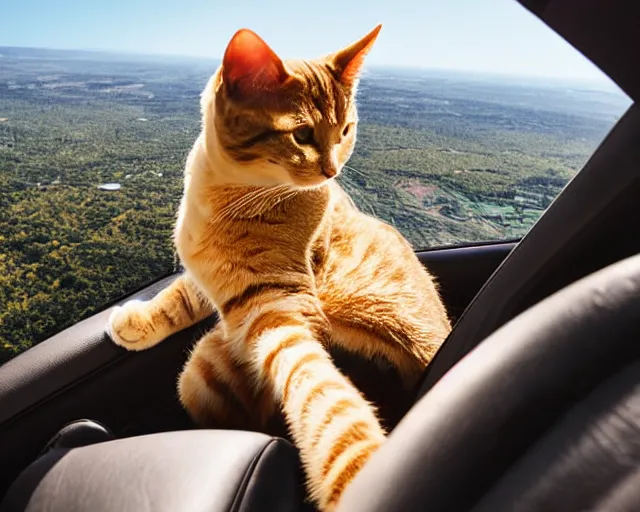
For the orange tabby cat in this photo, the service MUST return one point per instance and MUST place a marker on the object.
(272, 243)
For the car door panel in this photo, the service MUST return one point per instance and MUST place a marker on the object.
(79, 373)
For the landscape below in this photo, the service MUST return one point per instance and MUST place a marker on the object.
(92, 148)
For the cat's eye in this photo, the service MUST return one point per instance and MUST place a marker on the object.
(303, 135)
(346, 130)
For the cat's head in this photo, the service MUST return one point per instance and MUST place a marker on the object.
(283, 122)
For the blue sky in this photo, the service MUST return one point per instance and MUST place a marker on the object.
(479, 35)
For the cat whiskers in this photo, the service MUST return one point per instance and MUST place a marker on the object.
(251, 202)
(248, 202)
(355, 170)
(237, 204)
(353, 188)
(270, 202)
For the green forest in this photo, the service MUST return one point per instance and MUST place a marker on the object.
(447, 159)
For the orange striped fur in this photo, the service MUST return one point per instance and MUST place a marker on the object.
(270, 240)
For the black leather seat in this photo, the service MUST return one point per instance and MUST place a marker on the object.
(543, 415)
(194, 471)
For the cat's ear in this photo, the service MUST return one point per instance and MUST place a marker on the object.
(348, 62)
(250, 66)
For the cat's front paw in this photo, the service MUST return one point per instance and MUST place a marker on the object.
(130, 326)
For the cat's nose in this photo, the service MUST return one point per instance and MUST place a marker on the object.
(329, 166)
(329, 170)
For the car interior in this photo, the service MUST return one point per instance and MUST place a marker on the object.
(531, 404)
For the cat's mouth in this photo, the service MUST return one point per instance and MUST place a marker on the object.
(315, 183)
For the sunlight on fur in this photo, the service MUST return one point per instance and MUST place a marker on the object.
(270, 241)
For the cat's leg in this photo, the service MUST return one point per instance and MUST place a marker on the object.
(139, 325)
(333, 426)
(217, 390)
(373, 324)
(359, 335)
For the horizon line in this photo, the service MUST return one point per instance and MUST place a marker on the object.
(602, 79)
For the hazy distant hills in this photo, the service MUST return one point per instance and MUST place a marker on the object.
(601, 99)
(447, 157)
(17, 52)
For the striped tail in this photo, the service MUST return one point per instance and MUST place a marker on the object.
(333, 426)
